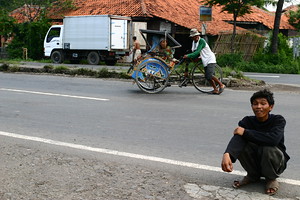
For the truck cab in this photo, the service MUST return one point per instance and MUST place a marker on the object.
(53, 43)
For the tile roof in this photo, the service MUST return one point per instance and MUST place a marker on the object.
(291, 8)
(25, 13)
(182, 12)
(261, 16)
(114, 7)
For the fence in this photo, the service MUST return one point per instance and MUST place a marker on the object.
(245, 43)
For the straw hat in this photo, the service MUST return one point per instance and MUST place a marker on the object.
(194, 32)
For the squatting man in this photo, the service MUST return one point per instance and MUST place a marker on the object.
(258, 143)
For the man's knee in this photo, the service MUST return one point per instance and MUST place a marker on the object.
(272, 161)
(269, 152)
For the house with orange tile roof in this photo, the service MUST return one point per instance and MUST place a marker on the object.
(178, 17)
(178, 12)
(175, 12)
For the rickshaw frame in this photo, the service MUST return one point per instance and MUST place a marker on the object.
(152, 74)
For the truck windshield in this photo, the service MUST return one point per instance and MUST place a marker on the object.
(54, 32)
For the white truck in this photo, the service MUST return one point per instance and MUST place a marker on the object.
(95, 38)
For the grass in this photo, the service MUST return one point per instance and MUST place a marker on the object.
(14, 66)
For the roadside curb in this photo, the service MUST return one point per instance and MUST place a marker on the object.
(121, 72)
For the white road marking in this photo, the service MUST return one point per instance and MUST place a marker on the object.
(133, 155)
(53, 94)
(263, 76)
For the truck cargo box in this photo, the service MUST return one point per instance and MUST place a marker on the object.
(92, 37)
(99, 32)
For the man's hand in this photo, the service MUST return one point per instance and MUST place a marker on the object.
(226, 163)
(175, 60)
(239, 131)
(185, 56)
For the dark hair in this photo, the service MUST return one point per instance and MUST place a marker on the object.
(265, 93)
(134, 38)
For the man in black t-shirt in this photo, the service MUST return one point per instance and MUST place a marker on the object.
(258, 143)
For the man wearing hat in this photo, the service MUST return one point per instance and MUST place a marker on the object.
(201, 48)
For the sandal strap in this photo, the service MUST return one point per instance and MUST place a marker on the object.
(272, 184)
(245, 181)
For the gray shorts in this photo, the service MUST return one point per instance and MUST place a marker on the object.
(210, 70)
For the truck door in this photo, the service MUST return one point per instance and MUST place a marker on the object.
(119, 34)
(53, 40)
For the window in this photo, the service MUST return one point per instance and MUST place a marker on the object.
(54, 32)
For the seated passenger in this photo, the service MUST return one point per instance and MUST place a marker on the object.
(165, 51)
(160, 46)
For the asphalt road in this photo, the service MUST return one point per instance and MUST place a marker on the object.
(290, 79)
(179, 124)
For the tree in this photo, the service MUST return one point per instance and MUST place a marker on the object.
(30, 33)
(31, 36)
(8, 5)
(276, 28)
(274, 42)
(32, 10)
(6, 25)
(237, 8)
(295, 18)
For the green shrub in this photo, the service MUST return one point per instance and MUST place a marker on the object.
(61, 70)
(282, 62)
(292, 67)
(248, 67)
(15, 50)
(14, 68)
(45, 61)
(28, 35)
(229, 60)
(124, 75)
(228, 71)
(103, 73)
(114, 74)
(83, 72)
(48, 68)
(4, 67)
(266, 62)
(274, 59)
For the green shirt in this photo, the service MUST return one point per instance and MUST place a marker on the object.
(196, 53)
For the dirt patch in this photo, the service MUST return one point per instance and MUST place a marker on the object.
(29, 173)
(272, 87)
(241, 84)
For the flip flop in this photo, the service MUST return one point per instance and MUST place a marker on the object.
(245, 181)
(221, 89)
(215, 92)
(272, 187)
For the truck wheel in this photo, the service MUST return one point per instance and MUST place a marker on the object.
(110, 62)
(93, 58)
(57, 57)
